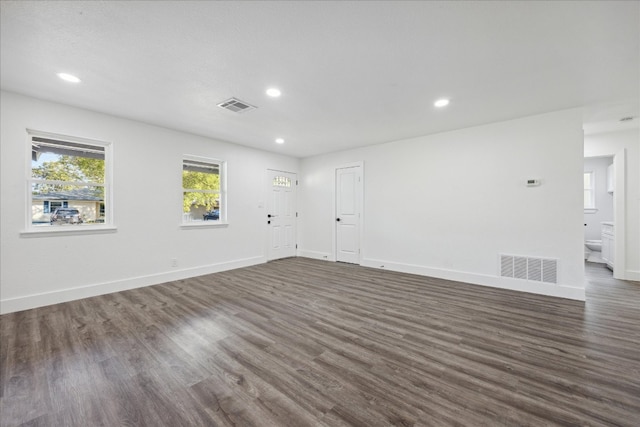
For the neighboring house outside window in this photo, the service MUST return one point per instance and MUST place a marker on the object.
(203, 190)
(50, 206)
(68, 172)
(89, 205)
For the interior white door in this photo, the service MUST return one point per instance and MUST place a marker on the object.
(348, 214)
(281, 214)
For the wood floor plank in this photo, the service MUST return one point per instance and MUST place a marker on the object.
(300, 342)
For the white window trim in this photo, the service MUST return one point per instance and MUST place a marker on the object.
(107, 227)
(592, 208)
(223, 222)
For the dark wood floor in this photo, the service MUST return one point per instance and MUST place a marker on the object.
(300, 342)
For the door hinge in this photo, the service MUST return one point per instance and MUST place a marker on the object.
(296, 246)
(296, 182)
(296, 214)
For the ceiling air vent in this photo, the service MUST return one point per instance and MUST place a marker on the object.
(237, 106)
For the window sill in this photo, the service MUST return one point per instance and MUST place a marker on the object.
(590, 210)
(203, 224)
(70, 230)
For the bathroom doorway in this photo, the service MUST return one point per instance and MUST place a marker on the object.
(614, 243)
(599, 187)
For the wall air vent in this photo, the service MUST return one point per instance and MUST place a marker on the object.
(237, 106)
(528, 268)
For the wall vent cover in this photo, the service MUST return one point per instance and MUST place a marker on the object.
(237, 106)
(528, 268)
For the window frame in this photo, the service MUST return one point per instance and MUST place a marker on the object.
(282, 181)
(45, 230)
(222, 172)
(592, 190)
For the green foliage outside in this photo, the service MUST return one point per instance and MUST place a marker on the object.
(89, 170)
(69, 168)
(209, 182)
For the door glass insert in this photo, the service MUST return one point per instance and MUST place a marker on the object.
(281, 181)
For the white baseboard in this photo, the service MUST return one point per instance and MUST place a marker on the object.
(63, 295)
(324, 256)
(632, 275)
(561, 291)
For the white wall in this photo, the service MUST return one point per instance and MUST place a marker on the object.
(442, 205)
(43, 270)
(447, 205)
(603, 199)
(614, 143)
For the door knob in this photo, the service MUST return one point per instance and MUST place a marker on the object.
(268, 215)
(338, 219)
(268, 222)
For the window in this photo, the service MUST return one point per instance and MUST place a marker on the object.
(50, 206)
(203, 190)
(281, 181)
(67, 173)
(589, 191)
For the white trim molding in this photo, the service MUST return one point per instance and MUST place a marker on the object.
(361, 209)
(632, 275)
(107, 184)
(64, 295)
(554, 290)
(323, 256)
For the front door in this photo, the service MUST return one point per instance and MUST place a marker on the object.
(281, 214)
(348, 189)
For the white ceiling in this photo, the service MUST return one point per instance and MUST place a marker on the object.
(352, 73)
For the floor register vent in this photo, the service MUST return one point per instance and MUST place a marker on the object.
(526, 268)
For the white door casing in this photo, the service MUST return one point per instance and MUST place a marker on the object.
(348, 213)
(281, 214)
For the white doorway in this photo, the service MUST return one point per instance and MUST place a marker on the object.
(281, 214)
(349, 190)
(617, 249)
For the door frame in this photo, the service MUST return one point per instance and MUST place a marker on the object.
(620, 215)
(265, 206)
(360, 202)
(619, 212)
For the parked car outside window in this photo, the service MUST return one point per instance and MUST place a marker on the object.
(213, 215)
(66, 216)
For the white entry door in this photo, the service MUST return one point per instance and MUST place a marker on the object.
(348, 197)
(281, 214)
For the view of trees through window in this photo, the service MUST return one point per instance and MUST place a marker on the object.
(69, 168)
(67, 175)
(69, 183)
(201, 190)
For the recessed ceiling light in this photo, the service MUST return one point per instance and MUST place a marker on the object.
(441, 103)
(279, 141)
(273, 92)
(69, 78)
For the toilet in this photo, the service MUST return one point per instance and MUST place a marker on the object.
(594, 245)
(594, 251)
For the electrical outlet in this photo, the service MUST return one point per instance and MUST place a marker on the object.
(174, 262)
